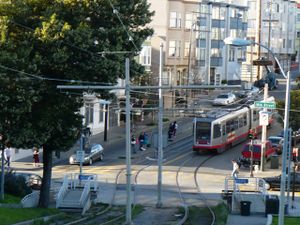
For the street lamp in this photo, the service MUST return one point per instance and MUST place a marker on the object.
(238, 42)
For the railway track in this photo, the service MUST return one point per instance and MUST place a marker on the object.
(172, 153)
(197, 188)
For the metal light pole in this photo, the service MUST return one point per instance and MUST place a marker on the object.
(128, 150)
(241, 42)
(160, 129)
(284, 154)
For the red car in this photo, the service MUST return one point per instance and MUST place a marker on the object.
(269, 151)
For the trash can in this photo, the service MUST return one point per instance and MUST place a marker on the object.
(274, 162)
(245, 208)
(272, 204)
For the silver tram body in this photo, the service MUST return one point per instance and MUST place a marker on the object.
(221, 129)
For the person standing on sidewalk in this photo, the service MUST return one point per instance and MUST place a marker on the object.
(175, 127)
(142, 142)
(133, 142)
(36, 157)
(8, 154)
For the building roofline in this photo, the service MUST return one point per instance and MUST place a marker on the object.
(224, 4)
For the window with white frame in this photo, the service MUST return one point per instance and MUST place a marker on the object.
(174, 48)
(203, 8)
(101, 110)
(215, 52)
(188, 20)
(222, 13)
(231, 55)
(251, 23)
(175, 20)
(202, 53)
(89, 113)
(202, 33)
(215, 33)
(298, 17)
(233, 33)
(240, 53)
(216, 13)
(145, 55)
(186, 48)
(252, 5)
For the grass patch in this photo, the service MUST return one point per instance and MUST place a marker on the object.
(11, 216)
(11, 199)
(203, 214)
(287, 220)
(221, 212)
(138, 209)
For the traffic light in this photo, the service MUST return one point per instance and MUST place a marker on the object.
(250, 136)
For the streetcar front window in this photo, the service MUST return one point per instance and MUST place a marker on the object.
(203, 132)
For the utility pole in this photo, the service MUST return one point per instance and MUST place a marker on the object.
(2, 166)
(269, 31)
(160, 129)
(251, 159)
(259, 35)
(264, 132)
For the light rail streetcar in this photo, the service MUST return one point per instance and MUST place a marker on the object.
(220, 129)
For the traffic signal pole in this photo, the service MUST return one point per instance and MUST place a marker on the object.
(251, 159)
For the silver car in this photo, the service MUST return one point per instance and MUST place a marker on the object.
(91, 154)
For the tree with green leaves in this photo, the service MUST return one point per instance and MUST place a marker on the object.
(45, 43)
(294, 109)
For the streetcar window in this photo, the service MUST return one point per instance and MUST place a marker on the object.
(236, 124)
(229, 126)
(203, 131)
(241, 122)
(245, 119)
(217, 131)
(223, 129)
(255, 115)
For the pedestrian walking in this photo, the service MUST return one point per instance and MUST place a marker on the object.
(146, 139)
(142, 142)
(7, 154)
(133, 143)
(175, 127)
(170, 131)
(235, 169)
(36, 157)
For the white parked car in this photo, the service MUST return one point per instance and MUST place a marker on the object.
(224, 99)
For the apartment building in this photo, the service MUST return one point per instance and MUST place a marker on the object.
(272, 24)
(192, 33)
(297, 41)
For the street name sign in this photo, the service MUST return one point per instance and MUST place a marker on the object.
(268, 105)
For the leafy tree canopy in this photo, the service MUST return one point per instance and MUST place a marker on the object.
(44, 43)
(294, 109)
(61, 39)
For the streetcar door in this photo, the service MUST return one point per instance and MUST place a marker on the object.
(217, 134)
(223, 131)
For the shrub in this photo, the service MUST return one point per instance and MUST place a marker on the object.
(16, 185)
